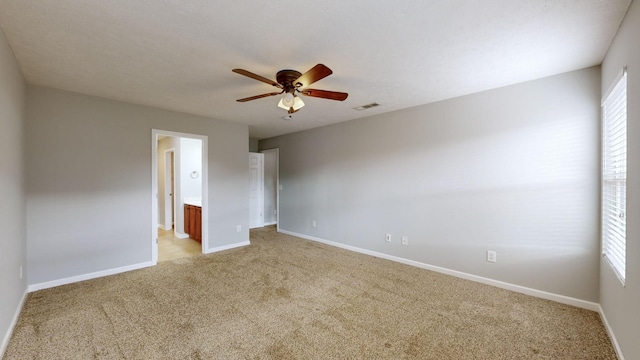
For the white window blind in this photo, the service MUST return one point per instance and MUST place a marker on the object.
(614, 176)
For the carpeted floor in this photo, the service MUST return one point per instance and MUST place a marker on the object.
(288, 298)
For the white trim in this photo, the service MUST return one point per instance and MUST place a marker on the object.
(500, 284)
(277, 188)
(154, 196)
(271, 223)
(277, 223)
(613, 84)
(180, 235)
(168, 175)
(89, 276)
(227, 247)
(260, 196)
(161, 227)
(612, 336)
(12, 325)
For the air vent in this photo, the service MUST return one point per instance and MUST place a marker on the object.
(365, 107)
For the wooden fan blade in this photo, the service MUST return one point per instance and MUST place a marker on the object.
(256, 77)
(258, 96)
(316, 73)
(325, 94)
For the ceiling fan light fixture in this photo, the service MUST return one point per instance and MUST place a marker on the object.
(295, 104)
(281, 105)
(290, 82)
(287, 100)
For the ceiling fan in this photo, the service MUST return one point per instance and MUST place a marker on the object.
(292, 83)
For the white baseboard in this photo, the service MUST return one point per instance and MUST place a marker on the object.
(162, 227)
(93, 275)
(226, 247)
(14, 321)
(270, 223)
(98, 274)
(612, 336)
(500, 284)
(180, 235)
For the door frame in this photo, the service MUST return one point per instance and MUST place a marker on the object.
(260, 196)
(169, 209)
(155, 133)
(277, 151)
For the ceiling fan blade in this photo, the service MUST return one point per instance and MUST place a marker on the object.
(258, 96)
(316, 73)
(325, 94)
(256, 77)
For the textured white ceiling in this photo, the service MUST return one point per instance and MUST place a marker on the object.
(178, 54)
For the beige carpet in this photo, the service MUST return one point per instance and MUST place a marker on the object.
(287, 298)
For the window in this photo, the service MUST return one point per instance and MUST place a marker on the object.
(614, 176)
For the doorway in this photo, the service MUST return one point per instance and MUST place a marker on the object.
(256, 190)
(271, 186)
(169, 190)
(179, 177)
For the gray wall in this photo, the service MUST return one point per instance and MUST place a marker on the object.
(253, 145)
(12, 189)
(622, 305)
(515, 170)
(89, 182)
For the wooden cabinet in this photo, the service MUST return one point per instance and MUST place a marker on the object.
(193, 222)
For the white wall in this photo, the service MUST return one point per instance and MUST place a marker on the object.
(190, 161)
(89, 182)
(513, 170)
(12, 191)
(621, 305)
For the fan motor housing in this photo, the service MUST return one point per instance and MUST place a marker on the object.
(286, 79)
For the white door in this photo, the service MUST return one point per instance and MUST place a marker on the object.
(256, 191)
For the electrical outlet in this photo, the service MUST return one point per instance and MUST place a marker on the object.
(388, 238)
(405, 240)
(20, 272)
(491, 256)
(314, 223)
(239, 228)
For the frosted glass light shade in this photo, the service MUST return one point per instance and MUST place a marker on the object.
(296, 104)
(287, 100)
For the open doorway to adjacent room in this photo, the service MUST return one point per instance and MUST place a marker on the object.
(179, 194)
(271, 186)
(264, 189)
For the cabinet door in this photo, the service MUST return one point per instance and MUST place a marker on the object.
(198, 223)
(186, 219)
(192, 222)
